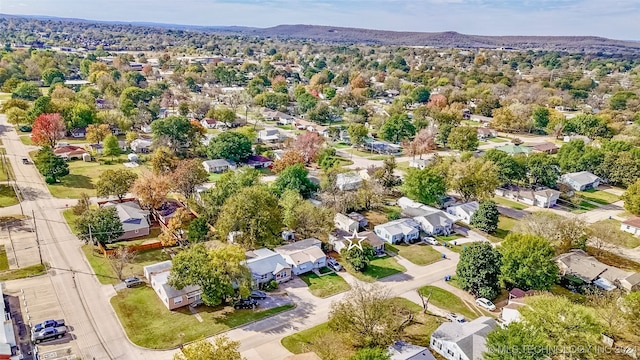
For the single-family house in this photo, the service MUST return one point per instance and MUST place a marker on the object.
(580, 181)
(401, 230)
(141, 146)
(341, 239)
(579, 265)
(420, 163)
(303, 256)
(401, 350)
(146, 129)
(429, 219)
(545, 147)
(158, 277)
(218, 165)
(78, 133)
(463, 212)
(343, 222)
(70, 152)
(96, 148)
(115, 130)
(361, 219)
(631, 225)
(463, 341)
(543, 197)
(135, 221)
(269, 135)
(349, 181)
(486, 133)
(208, 123)
(259, 161)
(568, 138)
(513, 149)
(267, 265)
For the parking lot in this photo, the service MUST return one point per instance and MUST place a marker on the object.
(31, 301)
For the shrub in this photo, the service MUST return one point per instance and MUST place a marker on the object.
(270, 286)
(50, 180)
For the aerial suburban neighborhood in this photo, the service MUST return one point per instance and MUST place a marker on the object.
(194, 193)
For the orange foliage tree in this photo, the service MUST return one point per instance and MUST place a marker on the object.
(47, 130)
(308, 144)
(291, 157)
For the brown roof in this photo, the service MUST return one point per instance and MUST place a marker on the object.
(69, 150)
(545, 146)
(633, 221)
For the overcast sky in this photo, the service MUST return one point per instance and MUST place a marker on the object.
(618, 19)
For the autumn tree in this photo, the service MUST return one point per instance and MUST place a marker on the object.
(631, 198)
(120, 259)
(151, 190)
(309, 145)
(174, 232)
(47, 130)
(290, 157)
(563, 232)
(220, 348)
(187, 176)
(97, 133)
(16, 116)
(163, 161)
(115, 182)
(423, 143)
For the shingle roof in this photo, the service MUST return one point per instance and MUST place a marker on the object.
(581, 177)
(131, 215)
(633, 221)
(400, 226)
(267, 263)
(513, 149)
(470, 337)
(217, 163)
(403, 351)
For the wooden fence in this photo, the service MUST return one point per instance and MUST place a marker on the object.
(132, 248)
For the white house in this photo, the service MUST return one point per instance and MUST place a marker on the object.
(269, 135)
(463, 341)
(208, 123)
(420, 163)
(401, 230)
(303, 256)
(401, 350)
(343, 222)
(141, 145)
(341, 239)
(463, 212)
(429, 219)
(158, 276)
(580, 181)
(349, 181)
(631, 225)
(266, 265)
(218, 165)
(543, 198)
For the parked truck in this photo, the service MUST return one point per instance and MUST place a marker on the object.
(46, 324)
(49, 333)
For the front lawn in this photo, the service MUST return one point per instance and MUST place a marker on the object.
(26, 139)
(609, 230)
(104, 271)
(447, 238)
(446, 300)
(505, 225)
(29, 271)
(584, 207)
(378, 268)
(150, 324)
(4, 261)
(599, 197)
(6, 171)
(421, 254)
(498, 140)
(509, 203)
(326, 285)
(7, 196)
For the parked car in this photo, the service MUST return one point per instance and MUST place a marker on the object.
(26, 161)
(132, 282)
(245, 304)
(257, 294)
(333, 264)
(431, 241)
(485, 303)
(49, 333)
(456, 317)
(46, 324)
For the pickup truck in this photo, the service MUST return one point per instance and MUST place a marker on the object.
(47, 324)
(49, 333)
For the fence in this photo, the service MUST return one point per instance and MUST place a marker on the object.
(132, 248)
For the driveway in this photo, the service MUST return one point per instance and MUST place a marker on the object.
(512, 213)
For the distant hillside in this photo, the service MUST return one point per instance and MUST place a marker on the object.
(587, 44)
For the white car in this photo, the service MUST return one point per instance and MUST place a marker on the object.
(431, 241)
(485, 303)
(456, 317)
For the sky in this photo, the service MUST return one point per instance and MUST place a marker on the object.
(616, 19)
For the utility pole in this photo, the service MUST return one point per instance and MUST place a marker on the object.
(12, 246)
(35, 228)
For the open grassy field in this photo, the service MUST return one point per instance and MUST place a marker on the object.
(324, 286)
(7, 196)
(148, 323)
(420, 254)
(446, 300)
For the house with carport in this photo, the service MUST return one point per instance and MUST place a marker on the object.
(267, 265)
(304, 255)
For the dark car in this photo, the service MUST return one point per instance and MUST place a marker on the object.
(257, 294)
(47, 324)
(132, 282)
(245, 304)
(26, 161)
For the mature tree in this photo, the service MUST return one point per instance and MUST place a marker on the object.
(220, 349)
(577, 156)
(175, 132)
(540, 117)
(228, 185)
(52, 167)
(424, 185)
(621, 169)
(385, 175)
(478, 270)
(443, 134)
(79, 116)
(527, 262)
(357, 133)
(229, 145)
(368, 316)
(187, 176)
(609, 308)
(83, 204)
(253, 215)
(101, 225)
(218, 272)
(631, 305)
(543, 170)
(115, 182)
(16, 116)
(309, 145)
(294, 177)
(486, 217)
(163, 161)
(371, 354)
(51, 76)
(111, 147)
(290, 157)
(423, 143)
(510, 169)
(563, 232)
(356, 257)
(327, 158)
(473, 179)
(631, 198)
(97, 133)
(463, 138)
(120, 259)
(397, 128)
(304, 218)
(151, 190)
(224, 115)
(592, 126)
(420, 94)
(520, 339)
(26, 91)
(198, 230)
(174, 232)
(47, 130)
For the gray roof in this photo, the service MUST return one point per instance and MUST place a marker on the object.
(581, 178)
(131, 215)
(266, 262)
(217, 163)
(400, 350)
(298, 245)
(400, 226)
(471, 337)
(163, 277)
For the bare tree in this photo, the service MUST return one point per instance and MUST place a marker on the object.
(120, 259)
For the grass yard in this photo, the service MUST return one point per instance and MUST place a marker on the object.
(356, 152)
(213, 177)
(285, 127)
(325, 286)
(447, 238)
(498, 140)
(612, 259)
(459, 247)
(102, 267)
(574, 297)
(6, 171)
(341, 145)
(70, 218)
(29, 271)
(149, 324)
(584, 207)
(26, 139)
(610, 228)
(403, 165)
(4, 261)
(470, 123)
(509, 203)
(505, 225)
(446, 300)
(378, 268)
(421, 254)
(7, 196)
(379, 157)
(599, 196)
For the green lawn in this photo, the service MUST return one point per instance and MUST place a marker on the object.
(150, 324)
(599, 197)
(22, 273)
(447, 238)
(379, 157)
(6, 171)
(324, 286)
(7, 196)
(285, 127)
(610, 230)
(498, 140)
(4, 261)
(70, 218)
(505, 225)
(459, 247)
(213, 177)
(418, 254)
(575, 297)
(341, 145)
(446, 300)
(584, 207)
(378, 268)
(470, 123)
(26, 139)
(404, 165)
(512, 204)
(102, 267)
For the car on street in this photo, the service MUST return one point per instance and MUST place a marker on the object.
(47, 324)
(431, 241)
(257, 294)
(333, 264)
(245, 304)
(49, 333)
(132, 282)
(485, 303)
(26, 161)
(456, 317)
